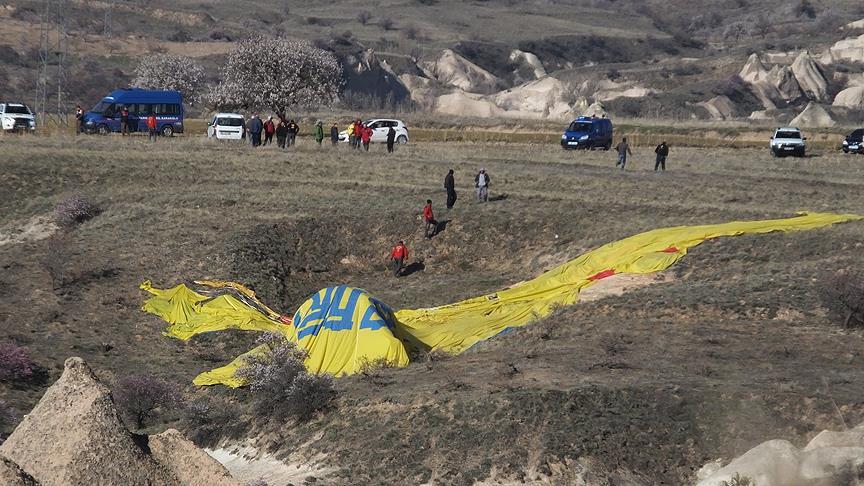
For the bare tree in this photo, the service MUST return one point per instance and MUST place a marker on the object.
(164, 71)
(277, 74)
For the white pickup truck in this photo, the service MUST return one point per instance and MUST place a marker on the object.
(788, 141)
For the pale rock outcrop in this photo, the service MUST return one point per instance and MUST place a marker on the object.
(596, 109)
(783, 80)
(12, 475)
(813, 116)
(856, 25)
(530, 60)
(74, 436)
(607, 90)
(825, 460)
(753, 71)
(543, 98)
(757, 76)
(718, 107)
(189, 464)
(850, 98)
(452, 69)
(851, 49)
(810, 77)
(422, 90)
(460, 103)
(761, 115)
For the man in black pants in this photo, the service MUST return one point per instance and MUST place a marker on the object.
(391, 139)
(662, 152)
(450, 187)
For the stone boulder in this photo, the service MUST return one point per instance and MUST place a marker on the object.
(813, 116)
(783, 80)
(74, 436)
(460, 103)
(809, 77)
(851, 49)
(757, 76)
(188, 463)
(719, 107)
(530, 61)
(596, 109)
(544, 98)
(850, 98)
(454, 70)
(422, 90)
(12, 475)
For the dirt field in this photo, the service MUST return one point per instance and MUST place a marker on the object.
(726, 349)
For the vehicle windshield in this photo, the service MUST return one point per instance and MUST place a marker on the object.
(857, 134)
(788, 134)
(229, 122)
(100, 107)
(580, 127)
(18, 110)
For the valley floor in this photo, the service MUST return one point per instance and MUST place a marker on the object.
(726, 349)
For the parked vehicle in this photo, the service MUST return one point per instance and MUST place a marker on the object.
(104, 118)
(854, 142)
(380, 127)
(788, 141)
(16, 117)
(227, 126)
(588, 132)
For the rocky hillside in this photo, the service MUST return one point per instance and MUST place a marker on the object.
(494, 58)
(74, 436)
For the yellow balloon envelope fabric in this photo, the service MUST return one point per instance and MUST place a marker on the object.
(342, 327)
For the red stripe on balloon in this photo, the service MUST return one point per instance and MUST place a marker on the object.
(602, 275)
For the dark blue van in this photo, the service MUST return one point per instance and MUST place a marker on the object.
(104, 118)
(588, 132)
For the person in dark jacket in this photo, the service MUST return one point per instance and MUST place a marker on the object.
(334, 134)
(450, 187)
(79, 120)
(662, 152)
(269, 130)
(391, 139)
(281, 133)
(623, 150)
(293, 130)
(255, 129)
(124, 120)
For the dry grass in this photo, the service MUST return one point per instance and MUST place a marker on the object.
(720, 328)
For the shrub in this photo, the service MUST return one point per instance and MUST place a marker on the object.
(15, 365)
(364, 17)
(208, 420)
(280, 385)
(8, 417)
(387, 23)
(218, 35)
(739, 480)
(142, 397)
(74, 211)
(843, 295)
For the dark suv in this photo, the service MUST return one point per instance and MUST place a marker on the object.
(854, 142)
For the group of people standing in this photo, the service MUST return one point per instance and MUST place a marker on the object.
(399, 252)
(286, 131)
(661, 152)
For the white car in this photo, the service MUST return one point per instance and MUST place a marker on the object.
(380, 127)
(227, 126)
(17, 116)
(788, 141)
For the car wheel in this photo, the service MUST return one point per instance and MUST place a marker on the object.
(167, 131)
(402, 139)
(607, 146)
(103, 129)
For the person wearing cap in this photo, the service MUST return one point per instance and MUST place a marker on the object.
(481, 183)
(319, 132)
(293, 130)
(398, 255)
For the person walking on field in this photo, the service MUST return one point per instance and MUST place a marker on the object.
(319, 132)
(358, 133)
(281, 133)
(623, 150)
(124, 120)
(450, 187)
(151, 126)
(398, 256)
(429, 218)
(334, 134)
(481, 182)
(391, 139)
(79, 117)
(293, 130)
(365, 136)
(269, 130)
(662, 152)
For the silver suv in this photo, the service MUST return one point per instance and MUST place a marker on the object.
(16, 116)
(788, 141)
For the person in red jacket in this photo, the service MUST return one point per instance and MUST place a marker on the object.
(429, 219)
(397, 258)
(269, 130)
(151, 126)
(366, 136)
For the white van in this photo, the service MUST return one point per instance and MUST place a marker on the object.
(227, 126)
